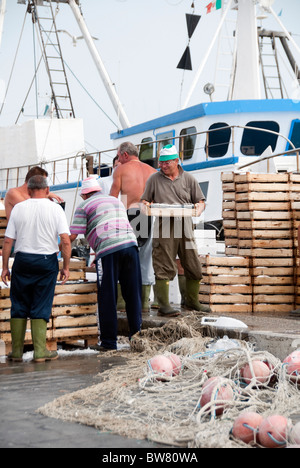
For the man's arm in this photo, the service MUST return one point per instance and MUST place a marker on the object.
(200, 207)
(117, 182)
(65, 247)
(12, 197)
(6, 250)
(53, 196)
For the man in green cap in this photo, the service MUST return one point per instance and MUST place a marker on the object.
(171, 185)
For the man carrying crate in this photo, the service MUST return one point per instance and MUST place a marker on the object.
(174, 236)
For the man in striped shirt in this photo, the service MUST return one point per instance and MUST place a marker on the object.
(102, 219)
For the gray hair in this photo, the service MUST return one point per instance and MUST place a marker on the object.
(37, 182)
(128, 147)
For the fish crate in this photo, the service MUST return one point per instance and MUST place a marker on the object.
(170, 211)
(273, 282)
(226, 284)
(228, 203)
(74, 312)
(3, 225)
(264, 219)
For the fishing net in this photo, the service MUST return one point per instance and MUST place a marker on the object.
(133, 401)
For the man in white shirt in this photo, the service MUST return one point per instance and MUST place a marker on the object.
(34, 225)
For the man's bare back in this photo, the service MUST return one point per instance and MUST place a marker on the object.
(130, 179)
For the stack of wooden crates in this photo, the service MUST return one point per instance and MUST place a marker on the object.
(74, 313)
(261, 215)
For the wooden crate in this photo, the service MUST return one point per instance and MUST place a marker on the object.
(226, 284)
(74, 312)
(3, 225)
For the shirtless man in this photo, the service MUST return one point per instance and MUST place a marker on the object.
(129, 179)
(19, 194)
(130, 176)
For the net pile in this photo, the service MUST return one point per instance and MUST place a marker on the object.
(133, 401)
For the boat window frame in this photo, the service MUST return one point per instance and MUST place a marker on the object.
(147, 141)
(187, 137)
(259, 130)
(225, 128)
(288, 145)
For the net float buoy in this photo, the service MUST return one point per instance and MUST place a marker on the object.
(176, 363)
(216, 389)
(272, 432)
(261, 373)
(292, 362)
(246, 425)
(161, 365)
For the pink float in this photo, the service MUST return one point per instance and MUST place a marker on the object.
(261, 373)
(272, 432)
(246, 425)
(292, 363)
(161, 365)
(216, 389)
(176, 363)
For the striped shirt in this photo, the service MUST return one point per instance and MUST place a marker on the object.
(103, 221)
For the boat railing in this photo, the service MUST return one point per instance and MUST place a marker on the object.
(60, 170)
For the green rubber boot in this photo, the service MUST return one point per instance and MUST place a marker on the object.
(162, 292)
(18, 330)
(38, 332)
(146, 288)
(182, 288)
(154, 304)
(192, 296)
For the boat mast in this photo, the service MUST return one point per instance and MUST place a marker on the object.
(247, 79)
(100, 66)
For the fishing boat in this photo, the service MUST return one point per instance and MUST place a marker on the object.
(256, 128)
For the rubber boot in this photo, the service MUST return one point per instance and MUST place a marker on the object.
(146, 288)
(154, 304)
(38, 332)
(162, 291)
(182, 288)
(121, 306)
(192, 296)
(18, 330)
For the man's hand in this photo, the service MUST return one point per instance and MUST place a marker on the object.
(200, 207)
(64, 275)
(5, 276)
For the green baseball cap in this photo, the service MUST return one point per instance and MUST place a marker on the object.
(167, 153)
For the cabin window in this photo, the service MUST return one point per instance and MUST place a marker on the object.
(163, 139)
(255, 142)
(218, 140)
(146, 151)
(187, 142)
(294, 135)
(204, 188)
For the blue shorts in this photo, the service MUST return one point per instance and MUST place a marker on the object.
(33, 283)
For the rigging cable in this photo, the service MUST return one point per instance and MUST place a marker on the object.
(14, 62)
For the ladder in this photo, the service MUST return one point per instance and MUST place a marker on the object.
(272, 80)
(51, 50)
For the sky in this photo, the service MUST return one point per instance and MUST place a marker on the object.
(140, 43)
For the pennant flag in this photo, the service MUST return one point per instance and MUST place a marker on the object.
(192, 22)
(185, 61)
(215, 5)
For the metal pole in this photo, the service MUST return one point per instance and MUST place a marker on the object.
(100, 66)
